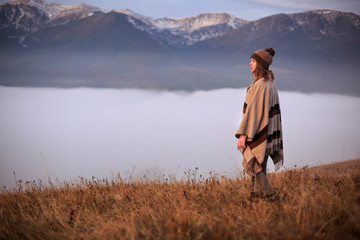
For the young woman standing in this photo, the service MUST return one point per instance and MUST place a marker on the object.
(260, 132)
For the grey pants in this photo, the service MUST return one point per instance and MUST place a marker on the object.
(260, 182)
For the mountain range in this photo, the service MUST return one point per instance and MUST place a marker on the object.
(53, 45)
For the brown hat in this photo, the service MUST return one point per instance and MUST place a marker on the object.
(264, 56)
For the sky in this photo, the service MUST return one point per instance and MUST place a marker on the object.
(247, 9)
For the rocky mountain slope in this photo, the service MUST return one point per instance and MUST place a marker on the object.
(320, 31)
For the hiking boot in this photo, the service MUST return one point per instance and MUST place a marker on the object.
(272, 197)
(254, 195)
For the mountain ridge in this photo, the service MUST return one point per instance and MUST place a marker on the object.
(178, 32)
(174, 32)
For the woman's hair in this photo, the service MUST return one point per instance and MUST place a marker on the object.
(261, 72)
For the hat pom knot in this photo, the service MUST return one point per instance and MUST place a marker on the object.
(271, 51)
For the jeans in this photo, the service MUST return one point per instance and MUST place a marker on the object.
(260, 181)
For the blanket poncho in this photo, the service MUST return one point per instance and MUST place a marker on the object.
(261, 123)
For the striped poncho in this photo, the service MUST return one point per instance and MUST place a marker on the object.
(261, 123)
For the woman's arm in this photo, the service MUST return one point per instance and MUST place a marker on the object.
(241, 142)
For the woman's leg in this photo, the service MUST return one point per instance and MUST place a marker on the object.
(262, 181)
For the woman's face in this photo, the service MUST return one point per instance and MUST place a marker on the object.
(252, 65)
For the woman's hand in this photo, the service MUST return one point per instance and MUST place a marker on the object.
(241, 142)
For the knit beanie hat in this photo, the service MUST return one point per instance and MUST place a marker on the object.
(264, 56)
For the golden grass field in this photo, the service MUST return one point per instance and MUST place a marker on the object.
(322, 202)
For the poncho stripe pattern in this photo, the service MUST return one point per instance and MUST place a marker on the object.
(261, 123)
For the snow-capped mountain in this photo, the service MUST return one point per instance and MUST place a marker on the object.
(318, 32)
(54, 10)
(186, 31)
(321, 24)
(191, 24)
(31, 15)
(188, 24)
(21, 17)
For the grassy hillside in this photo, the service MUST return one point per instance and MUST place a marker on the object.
(314, 203)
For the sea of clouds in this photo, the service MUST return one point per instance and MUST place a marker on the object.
(67, 133)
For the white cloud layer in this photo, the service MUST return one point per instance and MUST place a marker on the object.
(86, 132)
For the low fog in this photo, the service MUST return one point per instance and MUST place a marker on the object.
(67, 133)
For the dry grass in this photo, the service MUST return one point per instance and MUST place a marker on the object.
(320, 203)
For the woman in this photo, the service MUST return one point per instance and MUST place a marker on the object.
(260, 131)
